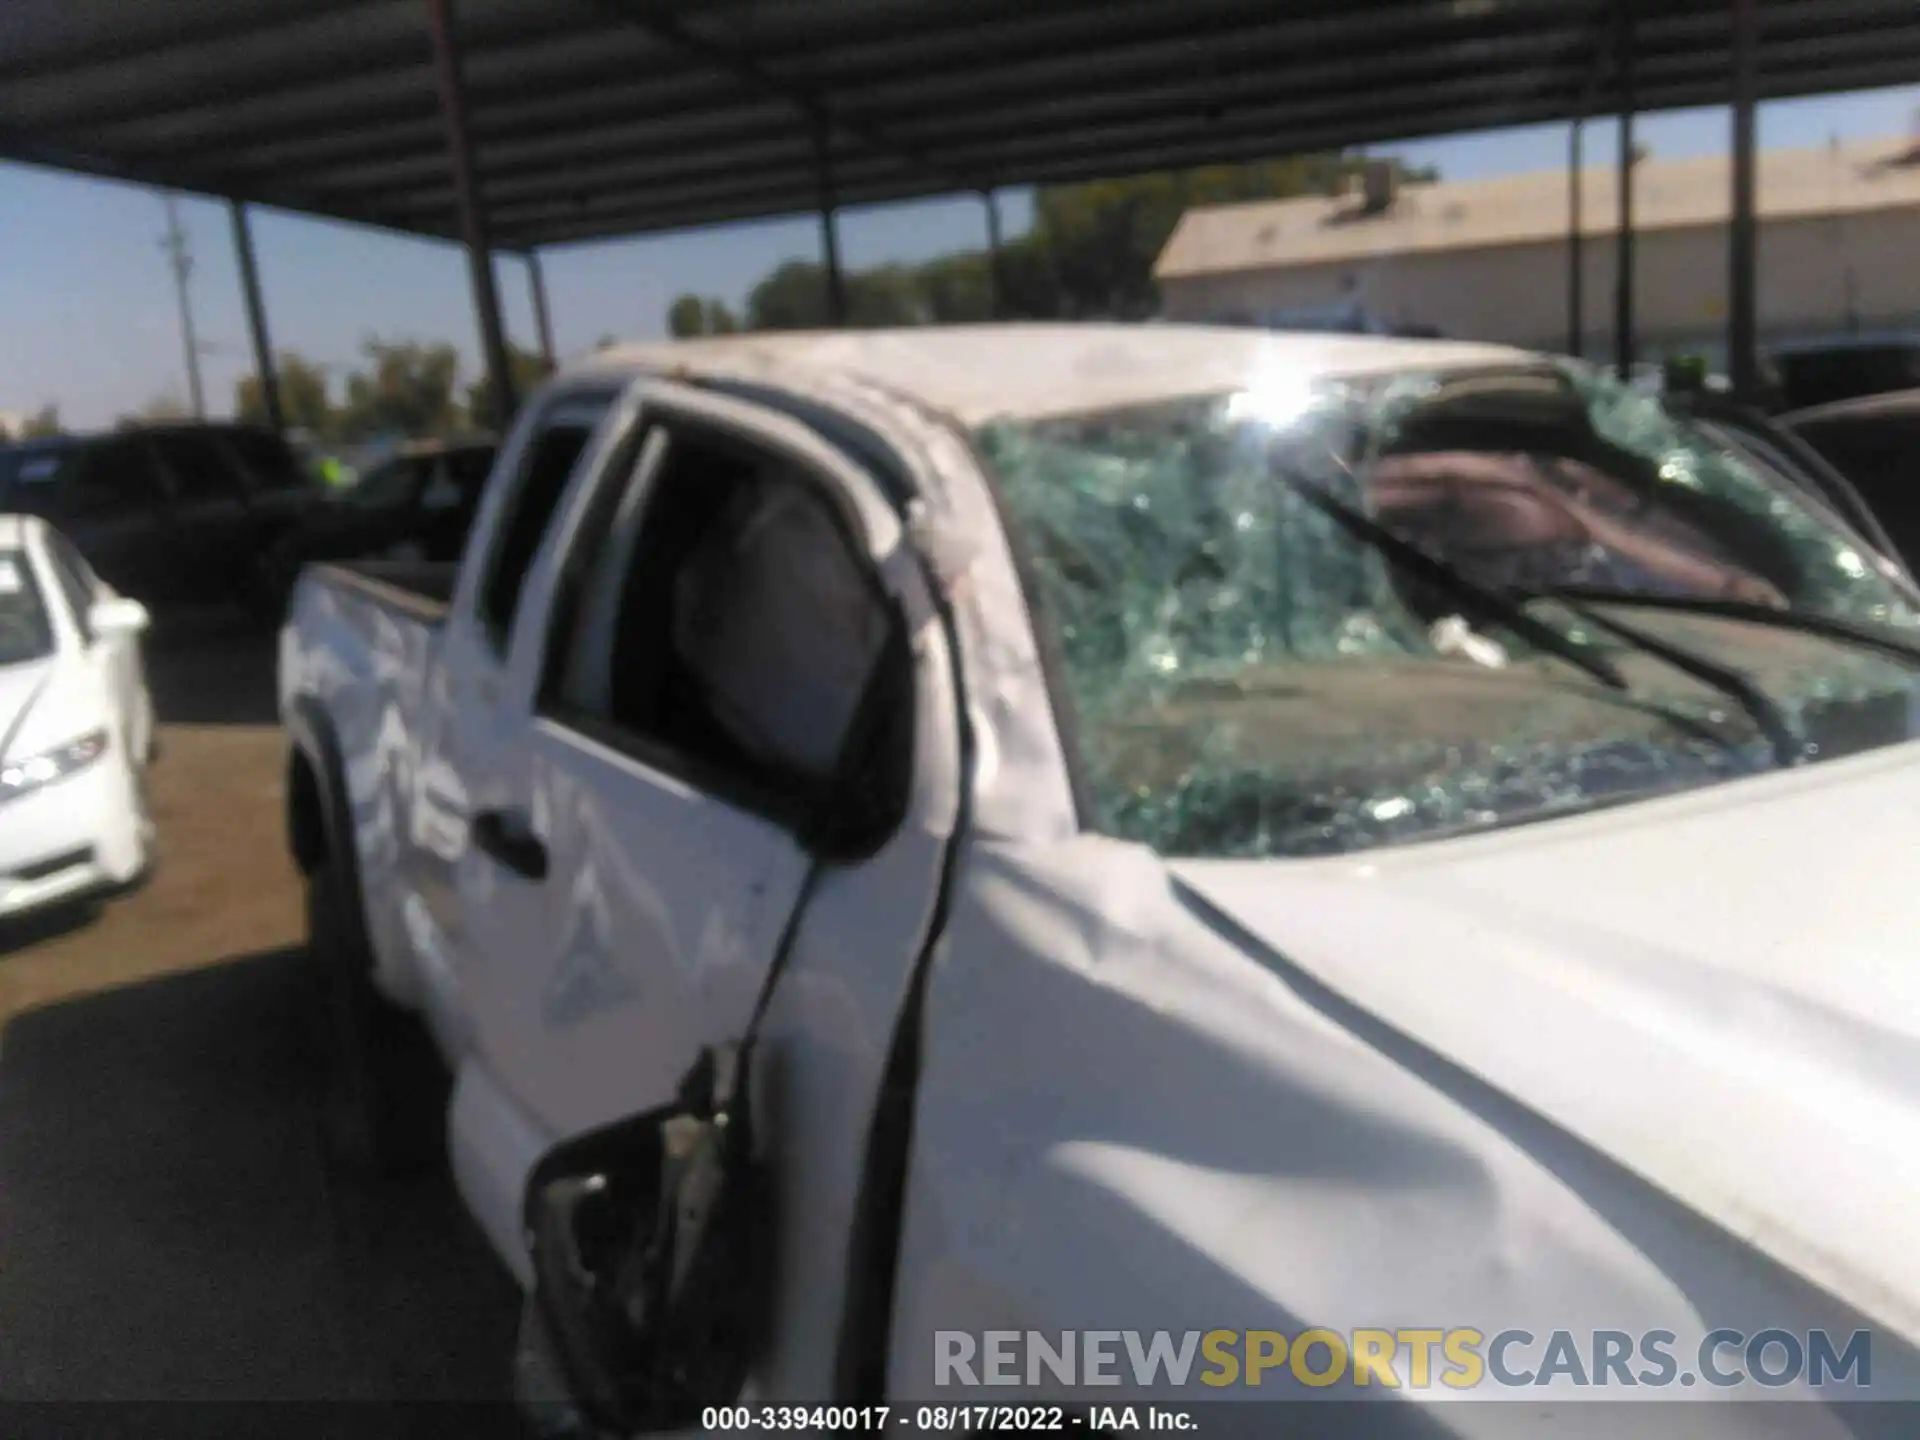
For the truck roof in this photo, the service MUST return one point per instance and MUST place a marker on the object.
(1030, 370)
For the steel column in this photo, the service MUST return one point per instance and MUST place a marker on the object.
(996, 284)
(473, 222)
(1623, 339)
(263, 363)
(1742, 247)
(829, 226)
(537, 283)
(1576, 237)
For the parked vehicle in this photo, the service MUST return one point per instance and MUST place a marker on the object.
(1154, 889)
(417, 504)
(1875, 443)
(1820, 372)
(76, 725)
(171, 514)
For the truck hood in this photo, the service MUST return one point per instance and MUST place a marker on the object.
(1718, 990)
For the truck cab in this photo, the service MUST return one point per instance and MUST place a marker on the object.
(1026, 734)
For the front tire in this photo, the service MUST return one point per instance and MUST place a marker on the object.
(382, 1086)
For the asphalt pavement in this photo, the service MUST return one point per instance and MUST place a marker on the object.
(170, 1228)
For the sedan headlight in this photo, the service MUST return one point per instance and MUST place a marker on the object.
(19, 777)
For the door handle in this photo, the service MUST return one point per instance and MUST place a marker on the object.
(505, 837)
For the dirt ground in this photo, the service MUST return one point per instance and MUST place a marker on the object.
(169, 1226)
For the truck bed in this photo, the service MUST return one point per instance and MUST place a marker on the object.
(422, 588)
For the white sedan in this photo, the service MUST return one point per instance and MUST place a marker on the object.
(76, 725)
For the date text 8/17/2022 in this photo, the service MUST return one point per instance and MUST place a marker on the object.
(943, 1419)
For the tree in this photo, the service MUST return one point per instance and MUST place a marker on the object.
(886, 295)
(958, 288)
(527, 370)
(1090, 254)
(304, 401)
(42, 424)
(1103, 237)
(408, 390)
(794, 297)
(967, 286)
(687, 315)
(165, 406)
(700, 315)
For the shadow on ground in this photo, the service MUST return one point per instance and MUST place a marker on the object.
(211, 669)
(43, 927)
(169, 1229)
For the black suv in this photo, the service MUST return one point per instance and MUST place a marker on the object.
(1822, 372)
(171, 514)
(416, 504)
(1875, 443)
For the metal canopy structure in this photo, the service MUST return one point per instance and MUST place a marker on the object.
(521, 124)
(599, 118)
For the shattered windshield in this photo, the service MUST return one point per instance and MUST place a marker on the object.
(1250, 678)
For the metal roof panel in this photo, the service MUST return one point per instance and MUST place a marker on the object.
(594, 118)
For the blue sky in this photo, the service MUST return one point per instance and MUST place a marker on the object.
(90, 321)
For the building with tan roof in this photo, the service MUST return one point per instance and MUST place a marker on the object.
(1839, 250)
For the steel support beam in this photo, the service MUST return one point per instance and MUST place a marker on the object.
(473, 220)
(814, 105)
(263, 361)
(537, 283)
(996, 282)
(1576, 241)
(1743, 359)
(1623, 338)
(829, 230)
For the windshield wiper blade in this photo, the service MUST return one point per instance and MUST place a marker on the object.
(1489, 604)
(1502, 608)
(1788, 748)
(1828, 627)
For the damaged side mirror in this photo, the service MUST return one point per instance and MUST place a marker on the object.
(652, 1260)
(574, 1328)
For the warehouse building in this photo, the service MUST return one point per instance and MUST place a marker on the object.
(1839, 252)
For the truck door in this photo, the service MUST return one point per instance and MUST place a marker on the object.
(467, 733)
(725, 607)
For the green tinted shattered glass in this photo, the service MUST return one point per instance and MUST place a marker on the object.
(1836, 577)
(1248, 681)
(1168, 553)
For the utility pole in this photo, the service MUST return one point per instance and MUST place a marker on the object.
(174, 243)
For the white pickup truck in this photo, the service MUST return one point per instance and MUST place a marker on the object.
(1237, 859)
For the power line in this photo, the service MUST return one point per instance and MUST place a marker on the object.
(174, 244)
